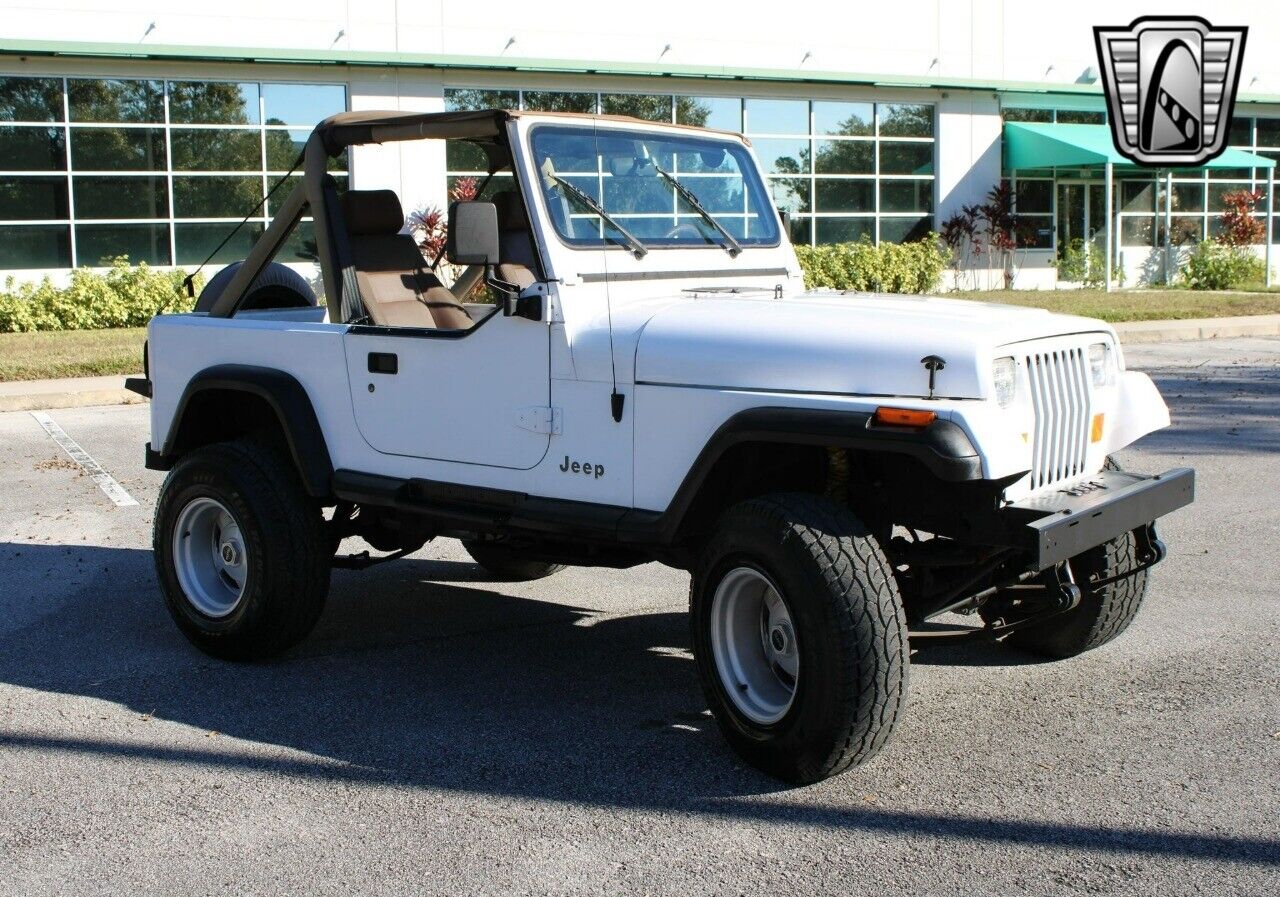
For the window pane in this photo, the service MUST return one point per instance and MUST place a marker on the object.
(650, 108)
(35, 247)
(215, 197)
(791, 194)
(783, 156)
(1043, 116)
(1241, 133)
(290, 183)
(777, 116)
(906, 196)
(1074, 117)
(1269, 132)
(1137, 196)
(98, 244)
(1188, 197)
(1230, 174)
(906, 158)
(33, 198)
(33, 149)
(101, 100)
(213, 103)
(1218, 194)
(463, 155)
(846, 195)
(300, 246)
(1187, 229)
(1035, 196)
(1034, 231)
(462, 99)
(121, 197)
(302, 104)
(845, 230)
(117, 149)
(1137, 231)
(724, 113)
(210, 149)
(850, 119)
(30, 99)
(845, 157)
(284, 148)
(801, 231)
(904, 230)
(196, 241)
(551, 101)
(906, 120)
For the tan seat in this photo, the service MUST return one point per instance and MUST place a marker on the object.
(395, 283)
(515, 243)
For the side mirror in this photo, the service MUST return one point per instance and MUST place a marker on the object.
(473, 234)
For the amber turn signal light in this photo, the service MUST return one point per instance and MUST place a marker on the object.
(904, 417)
(1095, 432)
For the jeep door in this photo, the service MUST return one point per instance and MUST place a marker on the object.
(476, 396)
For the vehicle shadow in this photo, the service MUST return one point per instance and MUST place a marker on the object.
(413, 680)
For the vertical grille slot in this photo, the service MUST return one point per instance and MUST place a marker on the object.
(1059, 381)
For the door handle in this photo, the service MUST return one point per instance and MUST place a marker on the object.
(383, 363)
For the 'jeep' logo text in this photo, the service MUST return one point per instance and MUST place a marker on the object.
(595, 471)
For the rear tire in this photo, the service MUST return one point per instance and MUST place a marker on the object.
(794, 586)
(507, 563)
(240, 551)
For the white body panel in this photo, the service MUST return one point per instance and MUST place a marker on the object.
(685, 362)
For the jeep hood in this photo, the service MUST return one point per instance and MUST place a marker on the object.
(825, 342)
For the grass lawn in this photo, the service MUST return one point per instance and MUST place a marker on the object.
(1137, 305)
(71, 353)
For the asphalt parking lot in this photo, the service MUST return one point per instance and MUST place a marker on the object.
(441, 733)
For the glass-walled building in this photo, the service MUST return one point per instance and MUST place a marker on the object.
(152, 141)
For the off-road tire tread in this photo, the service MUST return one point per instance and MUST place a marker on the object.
(295, 544)
(865, 608)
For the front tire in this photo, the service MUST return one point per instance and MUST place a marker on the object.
(800, 636)
(240, 551)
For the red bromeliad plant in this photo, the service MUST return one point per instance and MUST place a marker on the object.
(430, 227)
(988, 229)
(1239, 227)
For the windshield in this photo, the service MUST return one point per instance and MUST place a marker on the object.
(663, 189)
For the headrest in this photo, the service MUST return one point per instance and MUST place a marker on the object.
(510, 210)
(370, 212)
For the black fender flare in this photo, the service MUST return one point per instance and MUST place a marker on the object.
(293, 409)
(943, 447)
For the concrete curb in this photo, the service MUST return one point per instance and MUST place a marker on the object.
(1198, 328)
(73, 392)
(38, 395)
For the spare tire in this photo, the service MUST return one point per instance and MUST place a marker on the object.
(278, 286)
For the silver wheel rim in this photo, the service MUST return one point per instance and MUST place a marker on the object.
(209, 557)
(754, 644)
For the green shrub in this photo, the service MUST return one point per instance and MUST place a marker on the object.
(1215, 266)
(125, 296)
(887, 268)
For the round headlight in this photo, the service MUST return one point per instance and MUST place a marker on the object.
(1004, 374)
(1102, 365)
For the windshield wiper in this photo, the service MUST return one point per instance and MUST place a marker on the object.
(731, 246)
(637, 248)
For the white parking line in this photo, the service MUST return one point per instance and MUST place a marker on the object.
(105, 481)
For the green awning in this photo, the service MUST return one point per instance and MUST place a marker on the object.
(1028, 146)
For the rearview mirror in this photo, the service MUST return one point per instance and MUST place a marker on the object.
(473, 234)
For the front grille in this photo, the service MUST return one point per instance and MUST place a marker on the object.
(1060, 395)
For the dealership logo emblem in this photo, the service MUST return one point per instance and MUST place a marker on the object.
(1171, 86)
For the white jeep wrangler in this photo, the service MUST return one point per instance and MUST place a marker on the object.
(649, 380)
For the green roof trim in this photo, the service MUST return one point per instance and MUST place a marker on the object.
(1030, 146)
(278, 56)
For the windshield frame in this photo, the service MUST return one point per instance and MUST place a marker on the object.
(659, 132)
